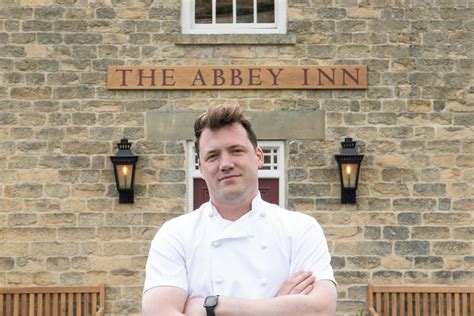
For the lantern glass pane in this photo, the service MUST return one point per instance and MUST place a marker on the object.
(124, 173)
(349, 175)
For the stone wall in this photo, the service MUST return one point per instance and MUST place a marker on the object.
(60, 222)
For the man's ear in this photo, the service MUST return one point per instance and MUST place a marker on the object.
(259, 153)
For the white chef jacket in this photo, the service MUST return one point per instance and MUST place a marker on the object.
(250, 258)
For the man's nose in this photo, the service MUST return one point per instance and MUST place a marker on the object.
(226, 163)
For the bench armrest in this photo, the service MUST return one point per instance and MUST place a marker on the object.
(372, 312)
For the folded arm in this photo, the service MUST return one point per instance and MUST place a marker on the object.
(300, 295)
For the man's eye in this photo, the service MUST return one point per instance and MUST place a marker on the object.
(210, 158)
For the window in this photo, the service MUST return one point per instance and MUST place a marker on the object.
(273, 171)
(233, 16)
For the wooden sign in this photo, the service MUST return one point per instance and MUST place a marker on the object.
(234, 77)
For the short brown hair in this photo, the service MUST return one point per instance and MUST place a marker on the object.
(220, 116)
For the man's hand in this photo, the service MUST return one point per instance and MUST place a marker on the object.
(298, 283)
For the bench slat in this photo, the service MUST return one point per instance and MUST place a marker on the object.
(464, 304)
(402, 304)
(47, 304)
(78, 304)
(433, 304)
(16, 304)
(425, 305)
(70, 299)
(1, 304)
(63, 304)
(31, 305)
(40, 304)
(385, 304)
(448, 305)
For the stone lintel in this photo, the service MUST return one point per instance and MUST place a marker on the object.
(276, 125)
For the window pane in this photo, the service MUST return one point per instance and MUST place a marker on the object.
(265, 11)
(244, 11)
(203, 11)
(224, 11)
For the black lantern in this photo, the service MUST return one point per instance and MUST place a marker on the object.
(124, 169)
(349, 165)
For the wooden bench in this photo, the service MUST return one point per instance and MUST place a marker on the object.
(409, 300)
(52, 301)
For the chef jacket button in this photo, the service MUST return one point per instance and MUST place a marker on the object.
(211, 214)
(216, 243)
(262, 214)
(263, 247)
(263, 283)
(219, 281)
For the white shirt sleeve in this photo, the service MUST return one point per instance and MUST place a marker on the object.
(166, 265)
(310, 251)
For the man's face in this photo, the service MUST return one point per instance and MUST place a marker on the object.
(229, 164)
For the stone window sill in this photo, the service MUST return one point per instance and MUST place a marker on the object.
(236, 39)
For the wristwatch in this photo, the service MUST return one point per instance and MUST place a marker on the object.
(210, 303)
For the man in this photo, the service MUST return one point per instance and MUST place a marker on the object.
(237, 255)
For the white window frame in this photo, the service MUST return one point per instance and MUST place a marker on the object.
(189, 27)
(279, 173)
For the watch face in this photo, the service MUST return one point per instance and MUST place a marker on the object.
(210, 301)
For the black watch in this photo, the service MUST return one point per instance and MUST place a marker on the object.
(210, 303)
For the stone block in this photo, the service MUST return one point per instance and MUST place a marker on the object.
(121, 248)
(31, 93)
(124, 220)
(57, 263)
(430, 232)
(57, 190)
(374, 248)
(81, 92)
(166, 190)
(54, 219)
(11, 249)
(429, 262)
(113, 233)
(395, 233)
(6, 263)
(23, 190)
(425, 189)
(400, 175)
(351, 277)
(464, 233)
(37, 26)
(28, 234)
(31, 147)
(457, 219)
(70, 26)
(22, 219)
(452, 248)
(82, 38)
(76, 233)
(88, 190)
(172, 176)
(363, 262)
(71, 278)
(54, 162)
(397, 132)
(412, 248)
(86, 148)
(414, 204)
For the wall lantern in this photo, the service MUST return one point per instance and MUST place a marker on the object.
(124, 169)
(349, 165)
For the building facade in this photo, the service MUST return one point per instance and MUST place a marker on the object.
(60, 220)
